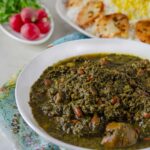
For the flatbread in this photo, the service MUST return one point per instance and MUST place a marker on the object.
(73, 3)
(112, 25)
(143, 30)
(89, 13)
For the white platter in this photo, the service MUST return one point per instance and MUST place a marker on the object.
(61, 10)
(18, 37)
(54, 54)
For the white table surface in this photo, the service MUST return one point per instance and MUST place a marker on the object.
(14, 55)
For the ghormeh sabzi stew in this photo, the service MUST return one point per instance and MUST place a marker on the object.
(95, 101)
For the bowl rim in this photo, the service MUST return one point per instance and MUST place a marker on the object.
(27, 120)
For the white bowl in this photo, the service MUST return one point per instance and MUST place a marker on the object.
(54, 54)
(18, 37)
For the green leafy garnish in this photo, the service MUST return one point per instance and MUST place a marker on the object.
(10, 7)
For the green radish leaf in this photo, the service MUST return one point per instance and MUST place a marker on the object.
(10, 7)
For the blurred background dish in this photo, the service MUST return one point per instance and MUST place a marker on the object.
(108, 18)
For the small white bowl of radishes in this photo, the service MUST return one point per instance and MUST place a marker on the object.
(30, 26)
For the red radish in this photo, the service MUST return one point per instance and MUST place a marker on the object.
(16, 22)
(44, 25)
(30, 31)
(41, 13)
(28, 15)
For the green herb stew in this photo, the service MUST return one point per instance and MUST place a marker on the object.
(95, 101)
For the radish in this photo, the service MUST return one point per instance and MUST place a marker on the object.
(41, 13)
(44, 25)
(16, 22)
(30, 31)
(28, 15)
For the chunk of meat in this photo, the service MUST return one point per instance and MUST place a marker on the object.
(119, 135)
